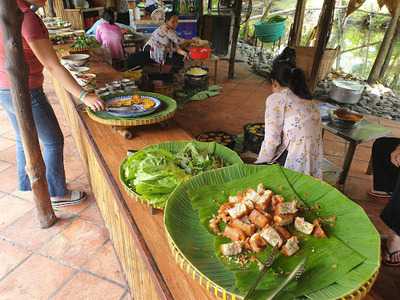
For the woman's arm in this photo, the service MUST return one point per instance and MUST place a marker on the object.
(274, 121)
(43, 50)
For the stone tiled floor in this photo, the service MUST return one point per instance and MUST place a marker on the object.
(75, 259)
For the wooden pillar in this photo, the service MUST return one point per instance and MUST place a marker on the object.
(385, 47)
(51, 8)
(324, 31)
(297, 27)
(235, 37)
(11, 21)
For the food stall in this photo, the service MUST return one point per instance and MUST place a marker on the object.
(157, 263)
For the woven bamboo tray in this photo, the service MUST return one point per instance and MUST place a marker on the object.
(221, 293)
(131, 192)
(167, 111)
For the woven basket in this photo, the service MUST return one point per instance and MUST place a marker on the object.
(167, 111)
(305, 60)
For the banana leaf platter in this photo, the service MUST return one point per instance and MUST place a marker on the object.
(228, 156)
(344, 265)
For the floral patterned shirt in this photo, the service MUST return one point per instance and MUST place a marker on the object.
(163, 41)
(293, 124)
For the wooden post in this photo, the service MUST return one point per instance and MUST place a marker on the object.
(324, 31)
(297, 27)
(390, 53)
(235, 37)
(11, 21)
(51, 8)
(385, 47)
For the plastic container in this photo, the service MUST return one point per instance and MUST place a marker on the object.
(269, 32)
(199, 53)
(187, 28)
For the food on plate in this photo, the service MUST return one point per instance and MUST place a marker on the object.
(346, 115)
(145, 102)
(255, 219)
(303, 226)
(196, 71)
(229, 249)
(85, 42)
(155, 173)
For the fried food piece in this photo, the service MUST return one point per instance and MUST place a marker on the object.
(231, 249)
(214, 225)
(291, 246)
(248, 229)
(257, 243)
(276, 199)
(271, 236)
(223, 211)
(283, 232)
(283, 220)
(318, 230)
(263, 201)
(285, 208)
(303, 226)
(238, 211)
(259, 219)
(234, 234)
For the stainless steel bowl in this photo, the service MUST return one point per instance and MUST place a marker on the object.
(348, 92)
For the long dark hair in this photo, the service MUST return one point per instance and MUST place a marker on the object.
(109, 15)
(289, 76)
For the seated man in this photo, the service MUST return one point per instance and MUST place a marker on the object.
(386, 170)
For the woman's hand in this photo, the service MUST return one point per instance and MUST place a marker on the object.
(94, 102)
(395, 157)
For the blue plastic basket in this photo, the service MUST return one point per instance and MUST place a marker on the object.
(269, 32)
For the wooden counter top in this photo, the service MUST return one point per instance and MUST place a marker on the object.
(138, 236)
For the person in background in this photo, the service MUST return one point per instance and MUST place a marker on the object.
(162, 47)
(39, 53)
(122, 12)
(386, 186)
(293, 132)
(150, 6)
(92, 30)
(110, 35)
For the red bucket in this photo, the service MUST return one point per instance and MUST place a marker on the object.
(199, 53)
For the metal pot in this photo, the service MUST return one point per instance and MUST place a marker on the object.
(348, 92)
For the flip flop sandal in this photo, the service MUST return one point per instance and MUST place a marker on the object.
(378, 196)
(75, 198)
(389, 262)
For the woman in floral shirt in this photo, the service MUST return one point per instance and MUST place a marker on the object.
(293, 134)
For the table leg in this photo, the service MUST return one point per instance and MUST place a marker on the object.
(347, 163)
(126, 132)
(215, 71)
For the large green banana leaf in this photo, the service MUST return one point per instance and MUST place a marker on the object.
(229, 157)
(335, 267)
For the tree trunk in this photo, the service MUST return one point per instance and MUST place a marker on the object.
(390, 53)
(10, 21)
(385, 47)
(235, 36)
(324, 31)
(297, 27)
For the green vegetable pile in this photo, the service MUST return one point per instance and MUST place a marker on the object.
(155, 173)
(84, 42)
